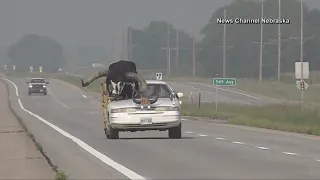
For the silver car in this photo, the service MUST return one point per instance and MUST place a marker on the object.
(125, 115)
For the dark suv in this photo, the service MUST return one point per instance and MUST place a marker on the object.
(37, 85)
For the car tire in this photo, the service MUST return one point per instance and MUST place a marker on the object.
(112, 133)
(45, 93)
(29, 93)
(175, 132)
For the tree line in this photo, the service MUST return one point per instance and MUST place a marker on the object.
(242, 60)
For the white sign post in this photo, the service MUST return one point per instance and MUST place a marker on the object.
(5, 67)
(14, 67)
(31, 68)
(302, 73)
(40, 68)
(159, 76)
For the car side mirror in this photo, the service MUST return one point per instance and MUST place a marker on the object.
(47, 82)
(179, 95)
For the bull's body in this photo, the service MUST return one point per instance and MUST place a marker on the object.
(122, 80)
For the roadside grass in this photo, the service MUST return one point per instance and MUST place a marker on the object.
(285, 90)
(59, 175)
(277, 117)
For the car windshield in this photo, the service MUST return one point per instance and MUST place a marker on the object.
(37, 81)
(161, 89)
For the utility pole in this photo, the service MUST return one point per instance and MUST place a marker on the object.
(279, 42)
(129, 44)
(177, 50)
(194, 50)
(168, 50)
(224, 46)
(261, 44)
(302, 41)
(123, 44)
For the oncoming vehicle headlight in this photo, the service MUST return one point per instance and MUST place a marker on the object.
(123, 110)
(168, 108)
(30, 86)
(44, 86)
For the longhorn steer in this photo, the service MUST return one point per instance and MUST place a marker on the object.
(121, 73)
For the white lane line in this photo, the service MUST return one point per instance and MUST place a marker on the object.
(291, 153)
(62, 104)
(318, 160)
(16, 89)
(237, 142)
(84, 96)
(202, 135)
(236, 92)
(188, 132)
(220, 138)
(91, 112)
(262, 148)
(125, 171)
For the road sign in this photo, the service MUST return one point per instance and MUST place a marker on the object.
(5, 67)
(159, 76)
(40, 68)
(14, 67)
(224, 81)
(302, 85)
(31, 68)
(305, 70)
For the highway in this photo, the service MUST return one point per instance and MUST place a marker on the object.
(68, 125)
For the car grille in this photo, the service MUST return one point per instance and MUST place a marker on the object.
(37, 86)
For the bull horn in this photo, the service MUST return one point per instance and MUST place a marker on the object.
(95, 76)
(141, 81)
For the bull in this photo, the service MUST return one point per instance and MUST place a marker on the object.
(119, 77)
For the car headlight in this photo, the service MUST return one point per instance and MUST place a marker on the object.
(123, 110)
(30, 86)
(44, 86)
(168, 108)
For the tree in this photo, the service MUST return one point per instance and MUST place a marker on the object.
(243, 59)
(34, 50)
(148, 44)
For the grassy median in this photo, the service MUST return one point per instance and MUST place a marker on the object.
(278, 117)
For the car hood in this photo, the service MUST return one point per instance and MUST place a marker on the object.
(129, 103)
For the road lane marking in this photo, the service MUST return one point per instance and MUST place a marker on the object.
(220, 138)
(202, 135)
(263, 148)
(237, 142)
(84, 96)
(188, 132)
(55, 99)
(318, 160)
(236, 92)
(291, 153)
(108, 161)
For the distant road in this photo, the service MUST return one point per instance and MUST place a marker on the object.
(68, 123)
(208, 94)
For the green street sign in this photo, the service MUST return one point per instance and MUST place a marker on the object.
(224, 81)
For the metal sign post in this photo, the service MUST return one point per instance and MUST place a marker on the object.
(302, 73)
(14, 67)
(223, 82)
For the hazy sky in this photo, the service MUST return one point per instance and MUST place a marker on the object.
(95, 22)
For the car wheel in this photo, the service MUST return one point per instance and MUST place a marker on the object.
(111, 133)
(175, 132)
(45, 93)
(29, 93)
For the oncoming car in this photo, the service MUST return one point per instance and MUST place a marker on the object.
(164, 114)
(37, 85)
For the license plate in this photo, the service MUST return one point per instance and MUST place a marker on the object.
(145, 121)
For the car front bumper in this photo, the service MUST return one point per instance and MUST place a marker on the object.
(133, 122)
(41, 90)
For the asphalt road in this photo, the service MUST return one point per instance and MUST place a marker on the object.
(209, 92)
(207, 150)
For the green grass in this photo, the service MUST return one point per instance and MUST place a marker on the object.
(60, 176)
(278, 117)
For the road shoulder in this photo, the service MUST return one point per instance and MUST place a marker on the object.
(17, 150)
